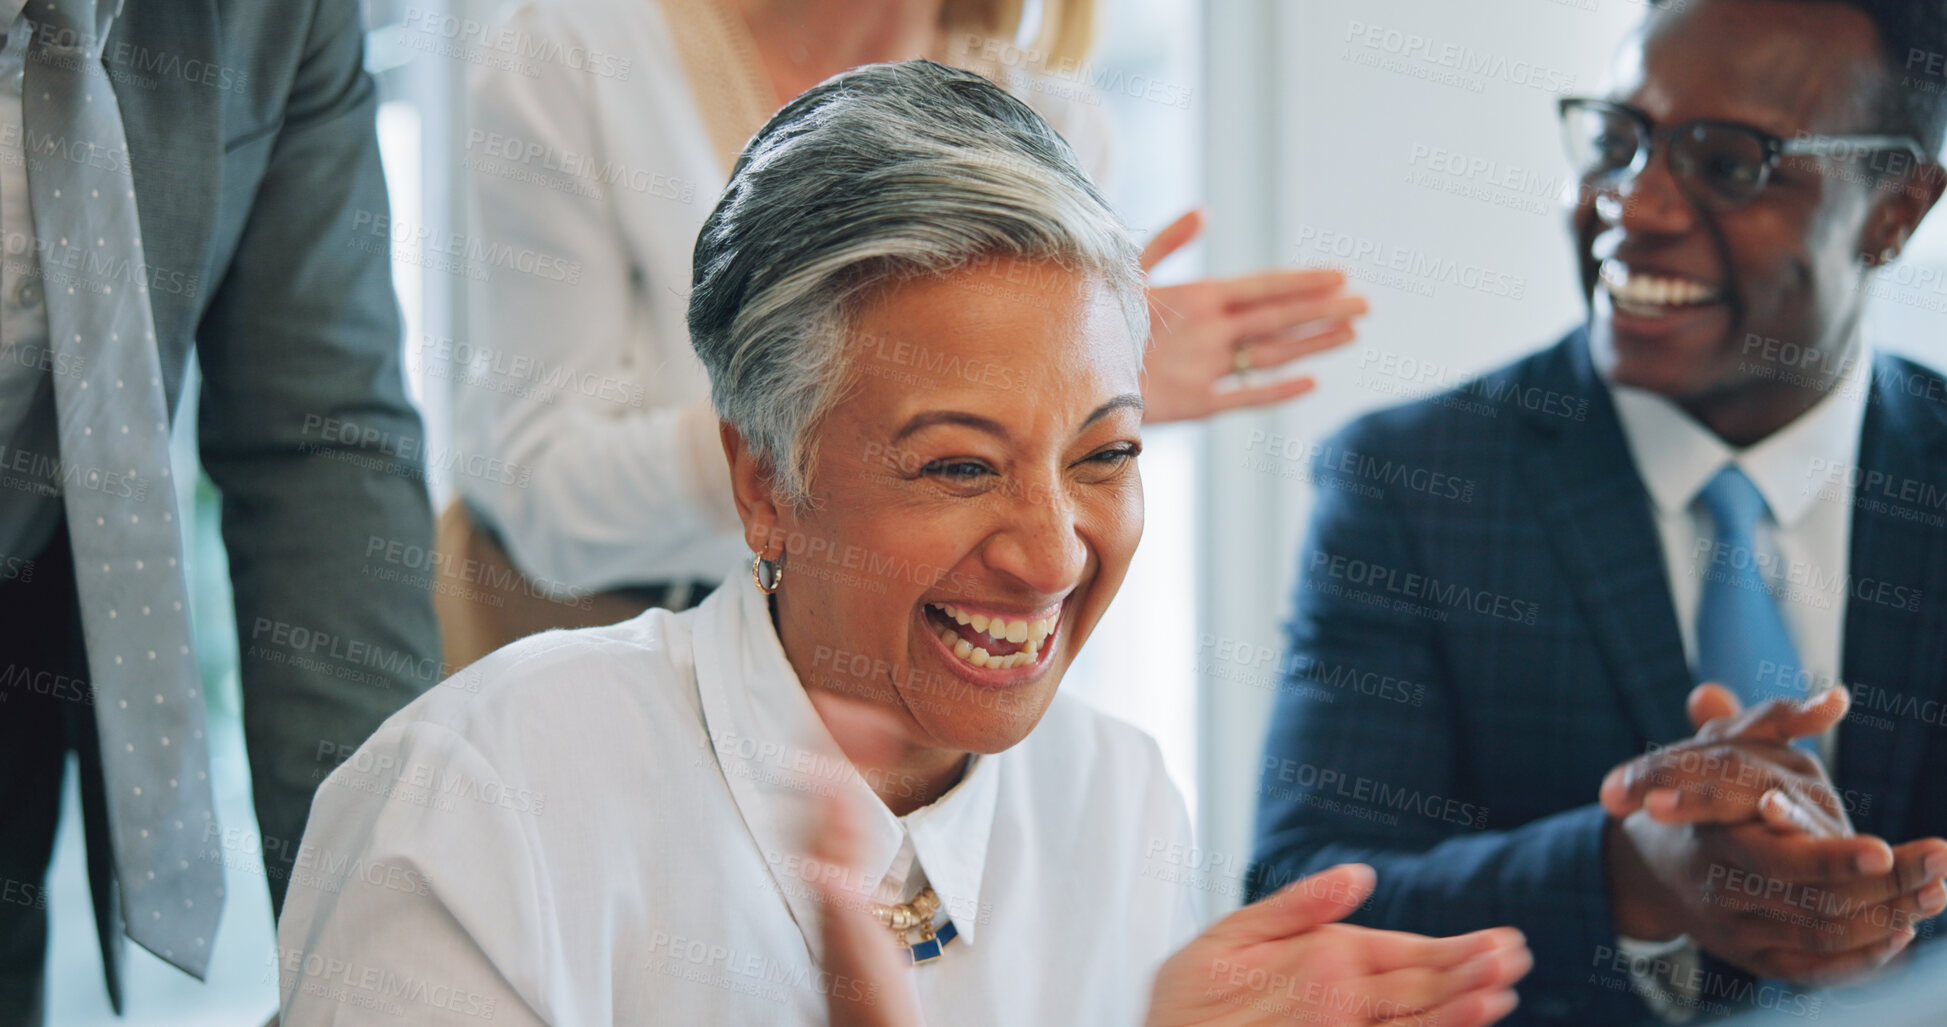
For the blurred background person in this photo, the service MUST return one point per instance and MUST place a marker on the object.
(145, 219)
(627, 506)
(658, 780)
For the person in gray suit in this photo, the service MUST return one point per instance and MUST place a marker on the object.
(198, 173)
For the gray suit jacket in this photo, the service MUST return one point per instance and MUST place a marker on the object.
(251, 141)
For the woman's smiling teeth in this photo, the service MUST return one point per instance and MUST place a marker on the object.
(996, 642)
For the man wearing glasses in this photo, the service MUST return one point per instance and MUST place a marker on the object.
(1740, 493)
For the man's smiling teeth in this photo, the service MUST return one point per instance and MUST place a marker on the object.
(1639, 289)
(1029, 634)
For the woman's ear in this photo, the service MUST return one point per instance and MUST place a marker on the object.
(750, 486)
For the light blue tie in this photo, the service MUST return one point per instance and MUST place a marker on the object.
(121, 506)
(1743, 642)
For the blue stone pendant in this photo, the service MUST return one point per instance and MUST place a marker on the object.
(929, 950)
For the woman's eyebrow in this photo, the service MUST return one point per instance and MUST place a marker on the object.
(929, 418)
(1127, 399)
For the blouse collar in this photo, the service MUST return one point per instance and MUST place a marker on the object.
(779, 761)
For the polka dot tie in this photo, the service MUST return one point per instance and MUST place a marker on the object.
(120, 501)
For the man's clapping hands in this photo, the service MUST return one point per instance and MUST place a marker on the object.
(1738, 840)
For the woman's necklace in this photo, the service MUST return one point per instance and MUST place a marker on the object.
(918, 915)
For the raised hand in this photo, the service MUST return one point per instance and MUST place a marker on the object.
(1286, 958)
(870, 985)
(1739, 841)
(1200, 332)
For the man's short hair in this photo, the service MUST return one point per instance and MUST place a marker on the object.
(1913, 47)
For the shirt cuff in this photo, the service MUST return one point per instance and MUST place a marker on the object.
(1664, 974)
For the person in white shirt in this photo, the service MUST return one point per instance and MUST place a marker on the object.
(923, 328)
(603, 165)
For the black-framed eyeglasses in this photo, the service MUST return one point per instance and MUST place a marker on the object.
(1723, 164)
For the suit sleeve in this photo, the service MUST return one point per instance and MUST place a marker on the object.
(306, 429)
(1362, 764)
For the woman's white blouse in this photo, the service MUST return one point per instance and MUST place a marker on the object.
(592, 173)
(607, 826)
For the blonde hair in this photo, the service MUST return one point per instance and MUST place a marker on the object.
(1066, 33)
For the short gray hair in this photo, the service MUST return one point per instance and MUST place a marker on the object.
(879, 175)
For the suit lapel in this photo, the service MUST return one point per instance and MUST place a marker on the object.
(1896, 614)
(157, 54)
(1598, 520)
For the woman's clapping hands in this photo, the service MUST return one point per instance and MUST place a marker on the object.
(1281, 960)
(1285, 959)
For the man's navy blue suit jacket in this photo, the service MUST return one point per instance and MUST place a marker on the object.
(1483, 628)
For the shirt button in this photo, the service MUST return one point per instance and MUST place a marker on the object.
(28, 292)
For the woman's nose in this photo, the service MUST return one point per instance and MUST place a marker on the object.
(1041, 546)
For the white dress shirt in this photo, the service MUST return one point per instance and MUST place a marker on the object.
(1804, 552)
(607, 826)
(584, 375)
(30, 491)
(1803, 541)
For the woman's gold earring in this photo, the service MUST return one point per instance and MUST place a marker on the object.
(767, 575)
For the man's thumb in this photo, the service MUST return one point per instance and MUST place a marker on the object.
(1783, 721)
(1820, 712)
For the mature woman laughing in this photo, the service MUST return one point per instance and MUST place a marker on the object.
(923, 331)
